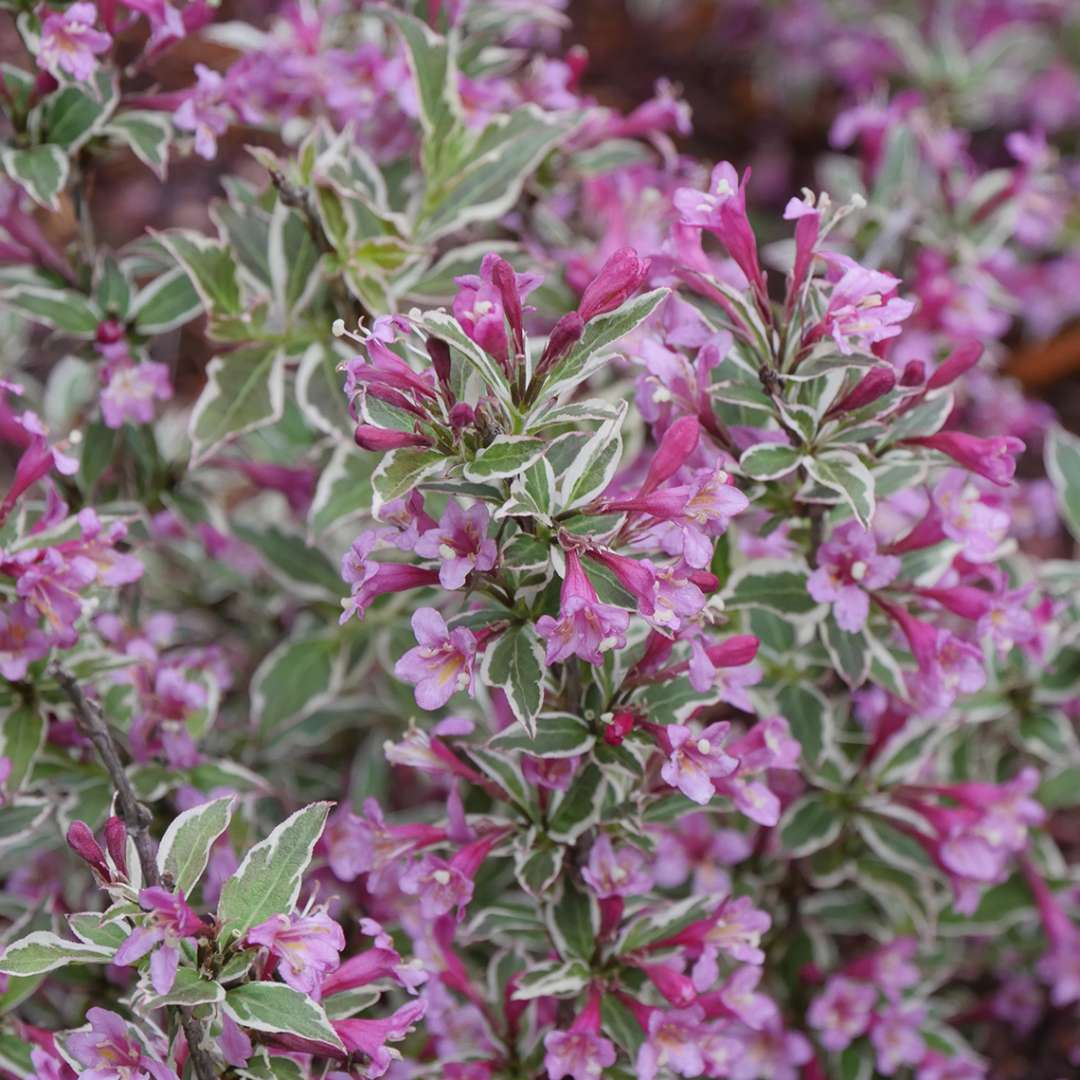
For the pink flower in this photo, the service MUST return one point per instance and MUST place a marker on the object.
(738, 997)
(616, 873)
(585, 627)
(674, 1043)
(130, 393)
(368, 845)
(203, 112)
(442, 885)
(695, 761)
(369, 1037)
(486, 301)
(442, 662)
(849, 567)
(862, 308)
(369, 579)
(735, 930)
(306, 947)
(169, 921)
(993, 458)
(896, 1037)
(461, 544)
(581, 1053)
(69, 42)
(110, 1052)
(842, 1012)
(774, 1052)
(711, 502)
(381, 962)
(722, 210)
(21, 640)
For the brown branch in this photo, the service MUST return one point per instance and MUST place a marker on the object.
(137, 819)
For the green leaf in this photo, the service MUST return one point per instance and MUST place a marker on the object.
(905, 752)
(493, 166)
(594, 467)
(343, 492)
(279, 1009)
(600, 335)
(209, 265)
(22, 735)
(167, 302)
(294, 262)
(770, 461)
(321, 398)
(573, 922)
(841, 471)
(891, 845)
(268, 881)
(185, 847)
(147, 135)
(300, 568)
(553, 979)
(1061, 789)
(401, 470)
(296, 679)
(537, 869)
(810, 718)
(190, 989)
(515, 662)
(664, 922)
(809, 824)
(505, 456)
(773, 584)
(557, 735)
(244, 391)
(62, 309)
(1062, 457)
(43, 171)
(43, 951)
(849, 652)
(621, 1024)
(448, 329)
(579, 808)
(74, 114)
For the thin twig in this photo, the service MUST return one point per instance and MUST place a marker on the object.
(137, 819)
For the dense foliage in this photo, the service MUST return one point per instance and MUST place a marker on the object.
(582, 622)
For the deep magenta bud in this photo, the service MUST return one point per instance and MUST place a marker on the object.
(960, 361)
(502, 273)
(621, 725)
(439, 352)
(462, 416)
(679, 442)
(81, 840)
(914, 373)
(564, 336)
(704, 580)
(109, 332)
(370, 437)
(116, 842)
(875, 383)
(619, 278)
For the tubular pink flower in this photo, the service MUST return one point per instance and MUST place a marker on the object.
(994, 458)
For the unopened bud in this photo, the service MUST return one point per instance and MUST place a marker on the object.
(959, 362)
(914, 373)
(116, 842)
(370, 437)
(564, 336)
(81, 840)
(875, 383)
(621, 725)
(679, 442)
(619, 278)
(439, 352)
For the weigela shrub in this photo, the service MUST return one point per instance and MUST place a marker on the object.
(589, 619)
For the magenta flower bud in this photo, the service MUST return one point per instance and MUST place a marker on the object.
(734, 652)
(116, 842)
(505, 279)
(81, 840)
(619, 278)
(875, 383)
(109, 332)
(621, 725)
(676, 987)
(993, 458)
(564, 336)
(679, 442)
(914, 373)
(370, 437)
(963, 600)
(705, 581)
(462, 416)
(439, 352)
(960, 361)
